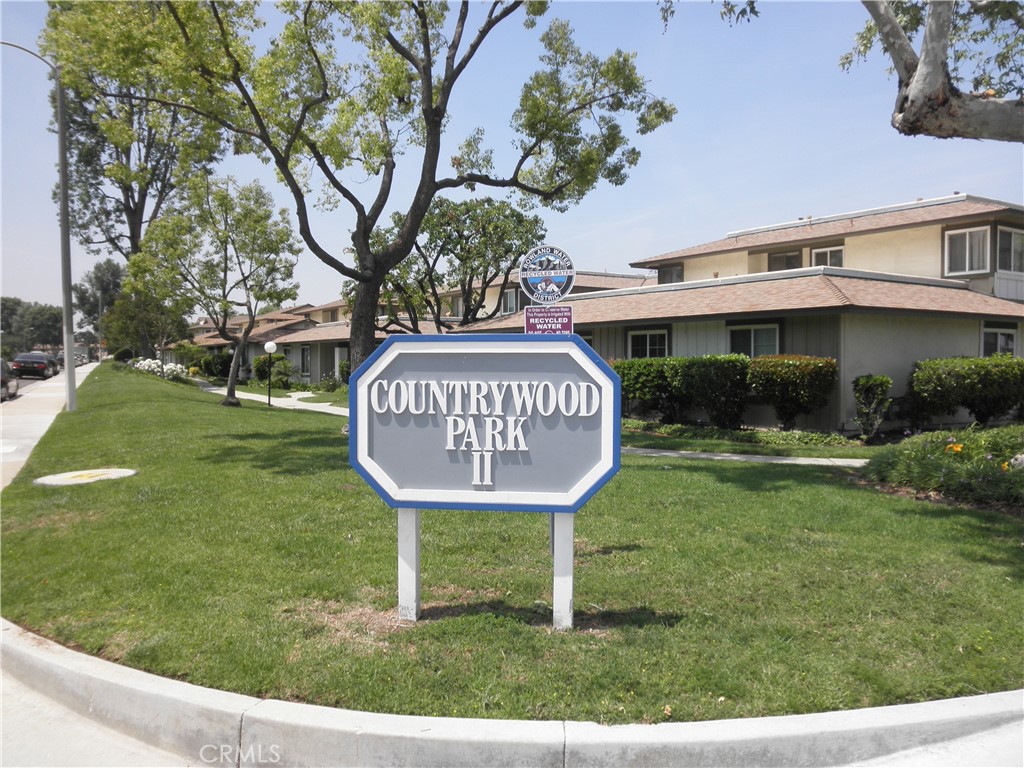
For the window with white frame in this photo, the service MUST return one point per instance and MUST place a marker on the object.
(1010, 250)
(510, 302)
(648, 343)
(780, 261)
(967, 251)
(827, 257)
(998, 338)
(304, 358)
(754, 340)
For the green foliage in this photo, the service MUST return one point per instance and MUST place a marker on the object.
(123, 355)
(216, 366)
(718, 385)
(871, 394)
(988, 387)
(344, 370)
(973, 465)
(653, 383)
(793, 384)
(671, 385)
(260, 364)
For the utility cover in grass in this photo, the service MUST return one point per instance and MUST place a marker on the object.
(84, 476)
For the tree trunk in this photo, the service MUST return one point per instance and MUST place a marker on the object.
(362, 341)
(236, 359)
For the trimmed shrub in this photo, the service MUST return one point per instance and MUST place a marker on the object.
(793, 384)
(871, 394)
(123, 355)
(216, 366)
(344, 370)
(718, 385)
(654, 383)
(988, 387)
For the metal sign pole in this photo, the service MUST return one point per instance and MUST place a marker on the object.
(408, 564)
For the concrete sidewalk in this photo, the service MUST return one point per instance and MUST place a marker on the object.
(62, 708)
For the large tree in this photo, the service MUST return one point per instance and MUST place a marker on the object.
(964, 44)
(346, 92)
(125, 152)
(464, 249)
(223, 246)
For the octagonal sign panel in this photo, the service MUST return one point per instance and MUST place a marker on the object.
(487, 422)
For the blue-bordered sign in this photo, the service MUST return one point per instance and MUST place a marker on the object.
(546, 274)
(488, 422)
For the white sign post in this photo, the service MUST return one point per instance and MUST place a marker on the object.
(485, 422)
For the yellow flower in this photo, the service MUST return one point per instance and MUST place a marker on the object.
(954, 447)
(1005, 466)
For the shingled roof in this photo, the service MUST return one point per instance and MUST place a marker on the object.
(814, 290)
(959, 208)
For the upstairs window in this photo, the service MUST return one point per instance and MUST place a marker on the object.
(332, 316)
(1010, 256)
(456, 306)
(779, 261)
(648, 344)
(673, 274)
(967, 251)
(754, 341)
(510, 302)
(827, 257)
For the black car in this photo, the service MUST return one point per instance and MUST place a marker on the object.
(35, 364)
(8, 381)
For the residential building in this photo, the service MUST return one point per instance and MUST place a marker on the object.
(875, 289)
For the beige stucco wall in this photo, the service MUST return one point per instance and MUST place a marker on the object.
(903, 252)
(725, 264)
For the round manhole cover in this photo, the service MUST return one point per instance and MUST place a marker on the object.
(84, 476)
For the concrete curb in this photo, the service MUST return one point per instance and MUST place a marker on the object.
(212, 727)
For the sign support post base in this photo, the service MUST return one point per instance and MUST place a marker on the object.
(562, 546)
(409, 564)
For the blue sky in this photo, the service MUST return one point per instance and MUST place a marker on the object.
(769, 129)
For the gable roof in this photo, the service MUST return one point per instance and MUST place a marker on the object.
(958, 208)
(810, 290)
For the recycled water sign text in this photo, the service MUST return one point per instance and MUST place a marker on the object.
(501, 422)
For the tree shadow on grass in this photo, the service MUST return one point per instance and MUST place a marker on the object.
(288, 452)
(592, 620)
(753, 477)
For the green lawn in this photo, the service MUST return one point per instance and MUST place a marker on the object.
(247, 555)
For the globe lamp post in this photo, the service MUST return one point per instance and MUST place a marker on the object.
(270, 348)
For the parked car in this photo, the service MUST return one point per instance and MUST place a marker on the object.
(35, 364)
(8, 381)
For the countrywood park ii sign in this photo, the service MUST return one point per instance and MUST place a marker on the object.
(484, 422)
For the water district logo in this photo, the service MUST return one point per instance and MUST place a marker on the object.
(546, 274)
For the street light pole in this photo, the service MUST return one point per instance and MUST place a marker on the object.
(270, 348)
(65, 230)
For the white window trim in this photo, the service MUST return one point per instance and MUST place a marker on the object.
(515, 300)
(1012, 231)
(828, 256)
(752, 328)
(1008, 331)
(988, 251)
(648, 332)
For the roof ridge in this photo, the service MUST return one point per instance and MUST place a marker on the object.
(836, 291)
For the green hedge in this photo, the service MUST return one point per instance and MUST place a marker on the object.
(216, 366)
(672, 385)
(793, 384)
(988, 387)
